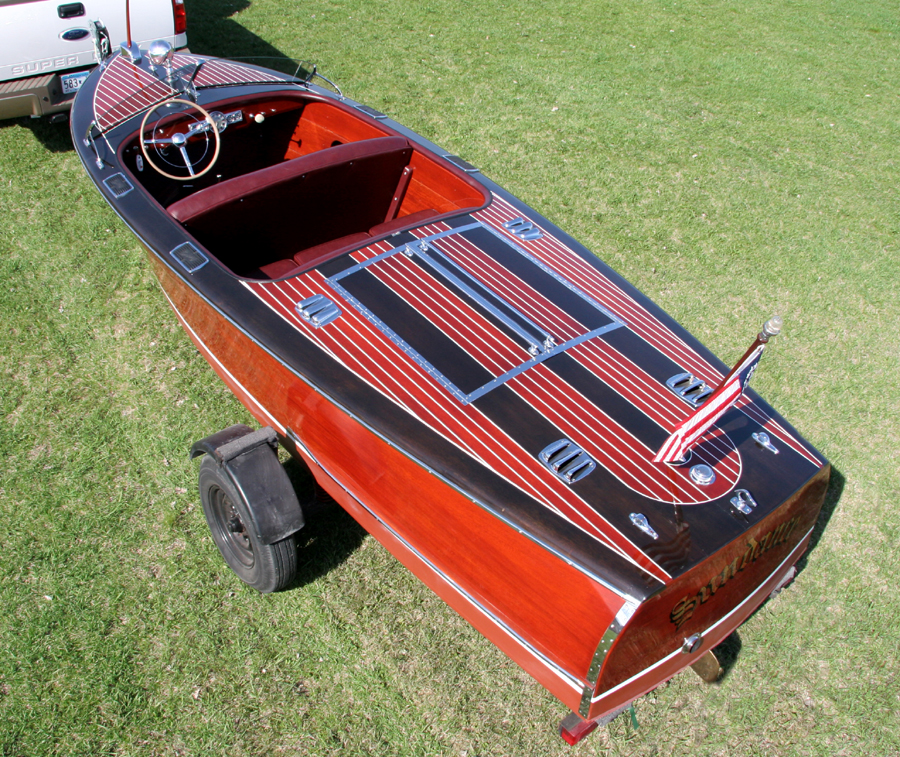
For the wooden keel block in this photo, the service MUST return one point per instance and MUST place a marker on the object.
(708, 668)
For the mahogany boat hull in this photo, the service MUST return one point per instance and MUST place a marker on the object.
(471, 336)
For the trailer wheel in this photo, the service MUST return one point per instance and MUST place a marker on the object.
(265, 567)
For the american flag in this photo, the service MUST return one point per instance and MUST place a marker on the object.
(725, 395)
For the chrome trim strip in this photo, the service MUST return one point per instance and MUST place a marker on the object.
(571, 680)
(458, 275)
(455, 391)
(400, 342)
(393, 251)
(550, 272)
(540, 350)
(793, 555)
(606, 642)
(503, 519)
(502, 379)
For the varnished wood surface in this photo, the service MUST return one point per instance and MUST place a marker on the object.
(502, 545)
(712, 589)
(551, 605)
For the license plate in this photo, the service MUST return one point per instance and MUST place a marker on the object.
(71, 83)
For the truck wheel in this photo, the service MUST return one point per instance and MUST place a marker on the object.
(265, 567)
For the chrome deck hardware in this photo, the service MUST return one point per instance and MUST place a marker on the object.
(689, 388)
(566, 460)
(317, 310)
(743, 501)
(763, 440)
(640, 520)
(702, 475)
(523, 229)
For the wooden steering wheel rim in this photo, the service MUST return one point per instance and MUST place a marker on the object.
(208, 119)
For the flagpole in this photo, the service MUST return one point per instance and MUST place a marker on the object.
(689, 431)
(770, 328)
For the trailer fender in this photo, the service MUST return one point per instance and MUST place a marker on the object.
(250, 460)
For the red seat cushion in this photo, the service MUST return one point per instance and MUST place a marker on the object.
(278, 269)
(413, 219)
(321, 252)
(271, 214)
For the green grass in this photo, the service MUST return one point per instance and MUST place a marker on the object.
(732, 160)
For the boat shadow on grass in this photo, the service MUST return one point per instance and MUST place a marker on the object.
(211, 31)
(832, 497)
(330, 535)
(55, 138)
(729, 650)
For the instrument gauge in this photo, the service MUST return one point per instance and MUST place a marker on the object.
(220, 120)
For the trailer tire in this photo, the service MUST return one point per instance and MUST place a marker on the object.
(265, 567)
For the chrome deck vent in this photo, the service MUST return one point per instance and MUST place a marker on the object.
(317, 310)
(523, 229)
(118, 185)
(689, 388)
(190, 258)
(566, 460)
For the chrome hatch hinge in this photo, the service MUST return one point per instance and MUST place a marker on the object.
(763, 440)
(743, 501)
(640, 520)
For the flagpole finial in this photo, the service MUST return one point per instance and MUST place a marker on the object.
(771, 328)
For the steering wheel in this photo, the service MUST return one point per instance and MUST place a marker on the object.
(180, 139)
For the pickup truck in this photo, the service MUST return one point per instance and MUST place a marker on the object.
(49, 48)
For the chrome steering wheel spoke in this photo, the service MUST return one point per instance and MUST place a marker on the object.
(179, 129)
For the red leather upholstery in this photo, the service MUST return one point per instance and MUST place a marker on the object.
(312, 256)
(399, 223)
(274, 213)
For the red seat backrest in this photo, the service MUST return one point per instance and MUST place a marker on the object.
(278, 211)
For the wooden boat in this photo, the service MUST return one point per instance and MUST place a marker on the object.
(475, 387)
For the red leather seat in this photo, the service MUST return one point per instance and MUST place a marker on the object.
(270, 215)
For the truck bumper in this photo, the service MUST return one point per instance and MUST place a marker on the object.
(36, 96)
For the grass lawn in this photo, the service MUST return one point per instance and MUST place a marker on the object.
(733, 160)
